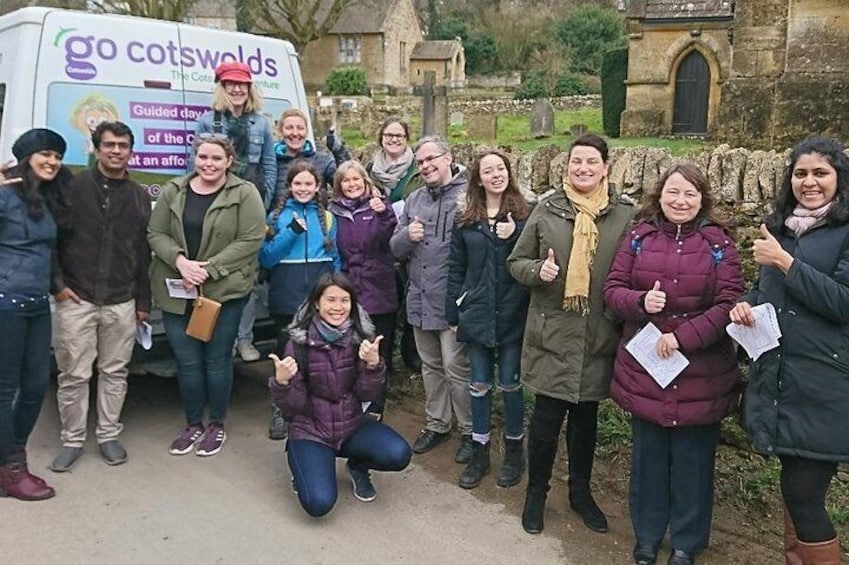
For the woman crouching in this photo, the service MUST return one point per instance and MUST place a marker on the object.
(331, 367)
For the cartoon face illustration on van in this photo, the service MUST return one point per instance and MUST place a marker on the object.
(90, 112)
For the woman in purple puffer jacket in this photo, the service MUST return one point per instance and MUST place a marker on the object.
(331, 367)
(678, 269)
(365, 221)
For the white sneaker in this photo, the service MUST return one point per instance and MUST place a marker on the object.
(247, 351)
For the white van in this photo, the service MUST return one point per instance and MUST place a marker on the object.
(69, 71)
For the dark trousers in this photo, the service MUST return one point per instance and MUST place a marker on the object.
(544, 436)
(205, 370)
(804, 483)
(373, 445)
(281, 323)
(24, 372)
(384, 324)
(672, 484)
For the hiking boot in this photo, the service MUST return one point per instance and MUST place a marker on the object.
(361, 481)
(678, 557)
(16, 482)
(278, 428)
(247, 351)
(66, 459)
(212, 441)
(185, 442)
(113, 452)
(513, 467)
(644, 555)
(464, 452)
(477, 468)
(427, 440)
(532, 513)
(585, 506)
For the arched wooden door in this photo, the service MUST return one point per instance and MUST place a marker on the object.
(692, 92)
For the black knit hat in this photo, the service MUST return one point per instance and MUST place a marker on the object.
(36, 140)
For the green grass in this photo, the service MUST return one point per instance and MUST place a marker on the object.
(514, 131)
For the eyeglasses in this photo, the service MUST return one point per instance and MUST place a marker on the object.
(428, 160)
(109, 145)
(394, 136)
(219, 136)
(236, 85)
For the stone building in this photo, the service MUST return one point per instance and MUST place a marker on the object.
(379, 38)
(759, 73)
(679, 54)
(446, 58)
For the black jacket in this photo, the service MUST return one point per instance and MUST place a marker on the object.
(103, 254)
(494, 305)
(797, 400)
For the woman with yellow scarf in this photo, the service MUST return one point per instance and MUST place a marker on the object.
(563, 256)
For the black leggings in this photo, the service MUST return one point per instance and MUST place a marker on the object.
(804, 483)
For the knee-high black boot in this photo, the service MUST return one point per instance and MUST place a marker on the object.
(543, 436)
(581, 431)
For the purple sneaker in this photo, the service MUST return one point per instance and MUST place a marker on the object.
(185, 442)
(213, 440)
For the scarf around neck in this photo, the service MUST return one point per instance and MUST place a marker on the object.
(332, 334)
(803, 219)
(587, 207)
(388, 174)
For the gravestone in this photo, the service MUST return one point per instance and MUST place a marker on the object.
(482, 126)
(434, 105)
(577, 130)
(456, 119)
(542, 119)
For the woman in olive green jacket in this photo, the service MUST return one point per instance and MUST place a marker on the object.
(563, 256)
(205, 232)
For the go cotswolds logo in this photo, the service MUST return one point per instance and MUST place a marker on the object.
(83, 52)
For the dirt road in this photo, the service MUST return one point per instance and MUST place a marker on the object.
(237, 507)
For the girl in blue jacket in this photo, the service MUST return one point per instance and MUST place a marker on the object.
(300, 244)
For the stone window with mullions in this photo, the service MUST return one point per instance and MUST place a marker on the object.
(350, 49)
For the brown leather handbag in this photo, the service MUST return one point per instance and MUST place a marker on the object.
(205, 313)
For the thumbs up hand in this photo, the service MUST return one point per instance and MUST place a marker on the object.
(505, 229)
(415, 231)
(655, 299)
(767, 252)
(549, 270)
(284, 369)
(370, 351)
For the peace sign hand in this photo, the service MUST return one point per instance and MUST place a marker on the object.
(4, 180)
(370, 351)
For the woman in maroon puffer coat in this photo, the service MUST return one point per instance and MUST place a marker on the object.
(331, 368)
(679, 269)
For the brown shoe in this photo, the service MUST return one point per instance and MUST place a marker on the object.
(822, 553)
(792, 551)
(16, 482)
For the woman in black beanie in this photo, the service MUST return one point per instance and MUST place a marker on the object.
(28, 198)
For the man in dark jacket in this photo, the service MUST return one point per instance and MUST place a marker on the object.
(102, 292)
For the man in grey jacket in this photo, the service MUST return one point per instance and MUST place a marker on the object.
(423, 239)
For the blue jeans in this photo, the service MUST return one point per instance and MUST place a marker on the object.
(672, 484)
(205, 370)
(373, 445)
(482, 360)
(24, 372)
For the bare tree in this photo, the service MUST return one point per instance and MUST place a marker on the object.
(171, 10)
(297, 21)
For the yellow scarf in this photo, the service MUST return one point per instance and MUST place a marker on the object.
(584, 244)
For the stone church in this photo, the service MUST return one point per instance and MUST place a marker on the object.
(758, 73)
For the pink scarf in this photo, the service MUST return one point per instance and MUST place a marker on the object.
(803, 219)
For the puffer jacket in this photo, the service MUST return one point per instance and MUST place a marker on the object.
(493, 305)
(699, 270)
(566, 355)
(363, 241)
(323, 161)
(260, 149)
(428, 258)
(297, 258)
(326, 406)
(798, 394)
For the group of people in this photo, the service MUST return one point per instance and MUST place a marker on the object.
(501, 291)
